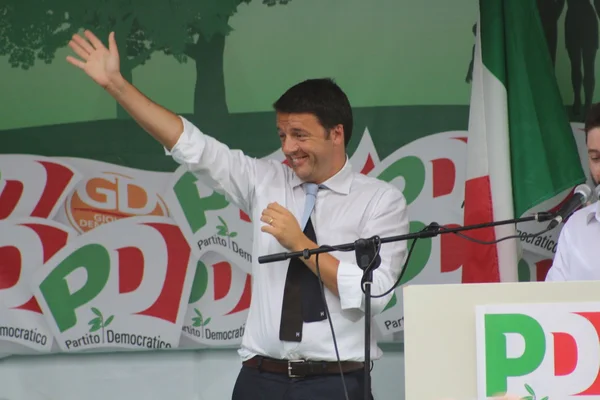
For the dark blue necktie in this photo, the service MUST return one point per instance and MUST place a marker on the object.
(302, 301)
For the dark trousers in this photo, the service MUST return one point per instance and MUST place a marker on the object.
(253, 384)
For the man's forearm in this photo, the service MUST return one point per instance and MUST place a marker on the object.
(328, 265)
(162, 124)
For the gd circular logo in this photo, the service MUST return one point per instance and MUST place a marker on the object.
(108, 197)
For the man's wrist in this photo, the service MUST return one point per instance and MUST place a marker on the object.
(304, 243)
(116, 85)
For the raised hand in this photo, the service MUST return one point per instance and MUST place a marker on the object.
(102, 65)
(98, 62)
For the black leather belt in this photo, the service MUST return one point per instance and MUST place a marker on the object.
(301, 368)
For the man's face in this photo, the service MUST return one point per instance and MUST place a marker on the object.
(593, 147)
(310, 150)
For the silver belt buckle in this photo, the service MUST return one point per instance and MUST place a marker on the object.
(290, 362)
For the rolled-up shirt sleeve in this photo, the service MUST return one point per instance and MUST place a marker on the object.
(388, 217)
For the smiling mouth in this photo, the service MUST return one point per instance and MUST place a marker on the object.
(295, 161)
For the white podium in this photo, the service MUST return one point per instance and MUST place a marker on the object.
(440, 337)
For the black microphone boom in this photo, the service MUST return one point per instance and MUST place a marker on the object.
(580, 196)
(368, 259)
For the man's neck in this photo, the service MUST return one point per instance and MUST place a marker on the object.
(336, 170)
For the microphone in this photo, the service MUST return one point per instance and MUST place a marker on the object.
(580, 196)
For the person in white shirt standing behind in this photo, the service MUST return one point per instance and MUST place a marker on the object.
(288, 350)
(576, 257)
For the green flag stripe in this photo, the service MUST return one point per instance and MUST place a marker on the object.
(544, 157)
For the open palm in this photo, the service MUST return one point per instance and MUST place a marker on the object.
(100, 63)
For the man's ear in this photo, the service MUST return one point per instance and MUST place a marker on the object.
(337, 134)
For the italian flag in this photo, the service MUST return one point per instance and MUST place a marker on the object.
(521, 149)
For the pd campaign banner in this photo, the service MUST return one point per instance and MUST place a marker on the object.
(100, 257)
(106, 245)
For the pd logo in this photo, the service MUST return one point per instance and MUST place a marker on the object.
(208, 221)
(428, 171)
(124, 284)
(540, 351)
(33, 186)
(108, 197)
(219, 302)
(25, 244)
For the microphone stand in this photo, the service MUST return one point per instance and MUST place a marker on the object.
(368, 260)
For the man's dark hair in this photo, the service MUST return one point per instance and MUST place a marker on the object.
(321, 97)
(592, 119)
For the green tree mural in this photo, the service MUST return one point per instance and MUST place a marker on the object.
(205, 40)
(33, 30)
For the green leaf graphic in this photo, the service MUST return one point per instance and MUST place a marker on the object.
(197, 321)
(545, 398)
(233, 234)
(97, 312)
(530, 390)
(222, 231)
(95, 321)
(109, 320)
(527, 398)
(206, 322)
(95, 327)
(198, 313)
(223, 222)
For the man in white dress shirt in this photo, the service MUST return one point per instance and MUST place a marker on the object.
(284, 357)
(576, 258)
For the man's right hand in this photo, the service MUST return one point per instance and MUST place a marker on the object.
(100, 63)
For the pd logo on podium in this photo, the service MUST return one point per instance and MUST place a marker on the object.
(539, 351)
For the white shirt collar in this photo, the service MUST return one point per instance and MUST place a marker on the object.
(340, 182)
